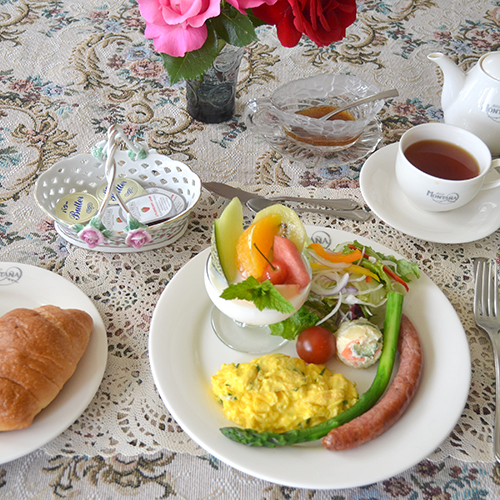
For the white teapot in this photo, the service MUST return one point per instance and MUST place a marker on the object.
(472, 100)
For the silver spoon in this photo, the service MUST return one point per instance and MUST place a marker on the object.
(381, 95)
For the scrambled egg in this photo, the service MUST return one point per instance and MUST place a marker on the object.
(278, 393)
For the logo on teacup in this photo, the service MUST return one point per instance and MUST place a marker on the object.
(493, 112)
(10, 275)
(443, 199)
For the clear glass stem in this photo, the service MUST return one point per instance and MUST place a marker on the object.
(252, 339)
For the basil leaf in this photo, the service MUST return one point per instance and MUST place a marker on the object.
(264, 295)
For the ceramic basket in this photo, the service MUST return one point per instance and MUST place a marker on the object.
(84, 173)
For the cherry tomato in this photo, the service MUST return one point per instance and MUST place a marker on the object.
(276, 272)
(316, 344)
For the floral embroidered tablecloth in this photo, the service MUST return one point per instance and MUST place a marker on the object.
(68, 70)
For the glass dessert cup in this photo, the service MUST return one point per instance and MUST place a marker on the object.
(292, 112)
(238, 323)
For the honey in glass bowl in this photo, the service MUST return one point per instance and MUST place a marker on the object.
(302, 135)
(289, 113)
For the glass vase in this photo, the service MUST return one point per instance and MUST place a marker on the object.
(211, 98)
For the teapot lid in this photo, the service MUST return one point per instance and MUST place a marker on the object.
(491, 64)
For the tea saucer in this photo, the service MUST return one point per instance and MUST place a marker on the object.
(476, 220)
(314, 157)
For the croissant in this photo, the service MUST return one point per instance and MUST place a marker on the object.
(39, 351)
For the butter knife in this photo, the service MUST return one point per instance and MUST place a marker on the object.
(257, 204)
(244, 196)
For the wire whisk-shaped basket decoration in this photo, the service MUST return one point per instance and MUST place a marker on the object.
(119, 201)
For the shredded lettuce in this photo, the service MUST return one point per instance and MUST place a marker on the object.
(408, 271)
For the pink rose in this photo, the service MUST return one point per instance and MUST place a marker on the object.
(177, 27)
(91, 236)
(137, 238)
(242, 5)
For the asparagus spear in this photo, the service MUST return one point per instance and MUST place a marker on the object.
(270, 439)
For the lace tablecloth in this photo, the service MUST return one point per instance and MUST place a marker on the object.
(68, 70)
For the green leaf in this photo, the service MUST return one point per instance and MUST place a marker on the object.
(264, 295)
(291, 328)
(242, 290)
(133, 223)
(267, 297)
(193, 64)
(407, 270)
(234, 27)
(96, 222)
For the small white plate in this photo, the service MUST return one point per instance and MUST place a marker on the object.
(476, 220)
(184, 353)
(27, 286)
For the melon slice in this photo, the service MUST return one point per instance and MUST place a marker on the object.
(227, 231)
(285, 251)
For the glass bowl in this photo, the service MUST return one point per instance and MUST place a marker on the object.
(238, 323)
(289, 107)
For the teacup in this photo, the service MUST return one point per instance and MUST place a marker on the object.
(440, 167)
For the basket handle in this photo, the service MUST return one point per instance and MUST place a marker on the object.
(135, 151)
(94, 233)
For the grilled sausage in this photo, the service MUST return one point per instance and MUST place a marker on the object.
(392, 405)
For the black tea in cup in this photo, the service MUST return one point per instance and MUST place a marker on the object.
(442, 159)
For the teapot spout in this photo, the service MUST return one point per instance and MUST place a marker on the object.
(454, 78)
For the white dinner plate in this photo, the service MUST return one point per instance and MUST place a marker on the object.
(185, 352)
(28, 286)
(476, 220)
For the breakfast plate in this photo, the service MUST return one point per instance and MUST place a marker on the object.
(26, 286)
(476, 220)
(185, 352)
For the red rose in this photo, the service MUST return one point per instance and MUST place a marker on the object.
(323, 21)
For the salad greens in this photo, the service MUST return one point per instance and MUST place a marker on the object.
(291, 328)
(405, 270)
(349, 282)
